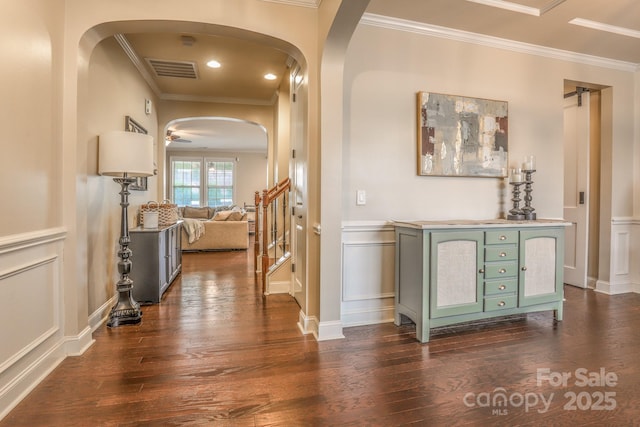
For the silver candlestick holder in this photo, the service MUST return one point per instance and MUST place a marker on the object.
(528, 210)
(516, 213)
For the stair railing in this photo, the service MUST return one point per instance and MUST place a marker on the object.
(272, 229)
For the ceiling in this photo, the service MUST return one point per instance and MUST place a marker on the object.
(174, 66)
(544, 23)
(608, 33)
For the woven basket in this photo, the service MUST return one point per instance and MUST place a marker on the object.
(167, 212)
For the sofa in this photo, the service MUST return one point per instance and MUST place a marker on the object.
(208, 229)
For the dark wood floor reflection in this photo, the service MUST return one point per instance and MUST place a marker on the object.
(214, 352)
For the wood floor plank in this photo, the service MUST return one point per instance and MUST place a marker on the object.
(214, 352)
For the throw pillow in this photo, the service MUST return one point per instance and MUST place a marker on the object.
(235, 216)
(222, 215)
(228, 216)
(196, 213)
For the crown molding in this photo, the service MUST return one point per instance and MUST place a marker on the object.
(495, 42)
(303, 3)
(614, 29)
(517, 7)
(135, 59)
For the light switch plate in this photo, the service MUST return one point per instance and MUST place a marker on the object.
(361, 197)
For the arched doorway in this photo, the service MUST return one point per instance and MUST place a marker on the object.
(163, 109)
(218, 139)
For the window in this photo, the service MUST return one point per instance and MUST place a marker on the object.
(202, 181)
(185, 177)
(219, 183)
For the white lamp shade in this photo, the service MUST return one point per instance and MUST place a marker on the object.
(123, 152)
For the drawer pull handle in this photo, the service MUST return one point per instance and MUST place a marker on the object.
(502, 287)
(503, 237)
(501, 304)
(481, 270)
(503, 254)
(524, 268)
(502, 271)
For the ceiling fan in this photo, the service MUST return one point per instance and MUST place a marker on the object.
(172, 137)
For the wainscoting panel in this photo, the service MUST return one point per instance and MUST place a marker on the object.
(625, 272)
(368, 263)
(31, 290)
(28, 283)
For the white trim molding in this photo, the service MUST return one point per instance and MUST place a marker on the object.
(100, 316)
(495, 42)
(368, 273)
(308, 324)
(302, 3)
(329, 331)
(624, 275)
(31, 272)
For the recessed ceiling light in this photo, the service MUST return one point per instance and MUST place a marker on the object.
(213, 64)
(270, 76)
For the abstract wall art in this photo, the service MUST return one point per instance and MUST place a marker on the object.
(462, 136)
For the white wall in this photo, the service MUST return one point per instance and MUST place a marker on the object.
(386, 67)
(116, 90)
(32, 290)
(384, 71)
(29, 37)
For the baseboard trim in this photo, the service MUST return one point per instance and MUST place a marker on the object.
(616, 289)
(100, 316)
(322, 331)
(308, 324)
(330, 331)
(278, 287)
(367, 317)
(24, 382)
(76, 346)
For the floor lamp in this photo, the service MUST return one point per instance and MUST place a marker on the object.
(125, 156)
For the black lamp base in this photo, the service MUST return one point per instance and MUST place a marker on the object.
(127, 310)
(124, 317)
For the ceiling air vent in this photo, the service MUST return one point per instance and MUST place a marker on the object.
(182, 69)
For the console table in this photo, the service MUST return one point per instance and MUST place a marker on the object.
(450, 272)
(157, 256)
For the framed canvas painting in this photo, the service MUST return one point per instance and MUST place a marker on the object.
(462, 136)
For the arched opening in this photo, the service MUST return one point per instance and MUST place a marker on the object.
(210, 140)
(105, 65)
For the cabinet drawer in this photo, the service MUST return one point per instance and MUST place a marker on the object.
(499, 287)
(501, 269)
(500, 253)
(500, 237)
(500, 302)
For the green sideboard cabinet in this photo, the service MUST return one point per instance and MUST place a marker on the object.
(450, 272)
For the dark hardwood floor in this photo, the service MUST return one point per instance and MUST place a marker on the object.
(214, 352)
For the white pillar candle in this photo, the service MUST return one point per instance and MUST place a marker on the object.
(529, 163)
(516, 175)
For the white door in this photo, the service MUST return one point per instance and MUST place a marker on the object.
(299, 189)
(576, 184)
